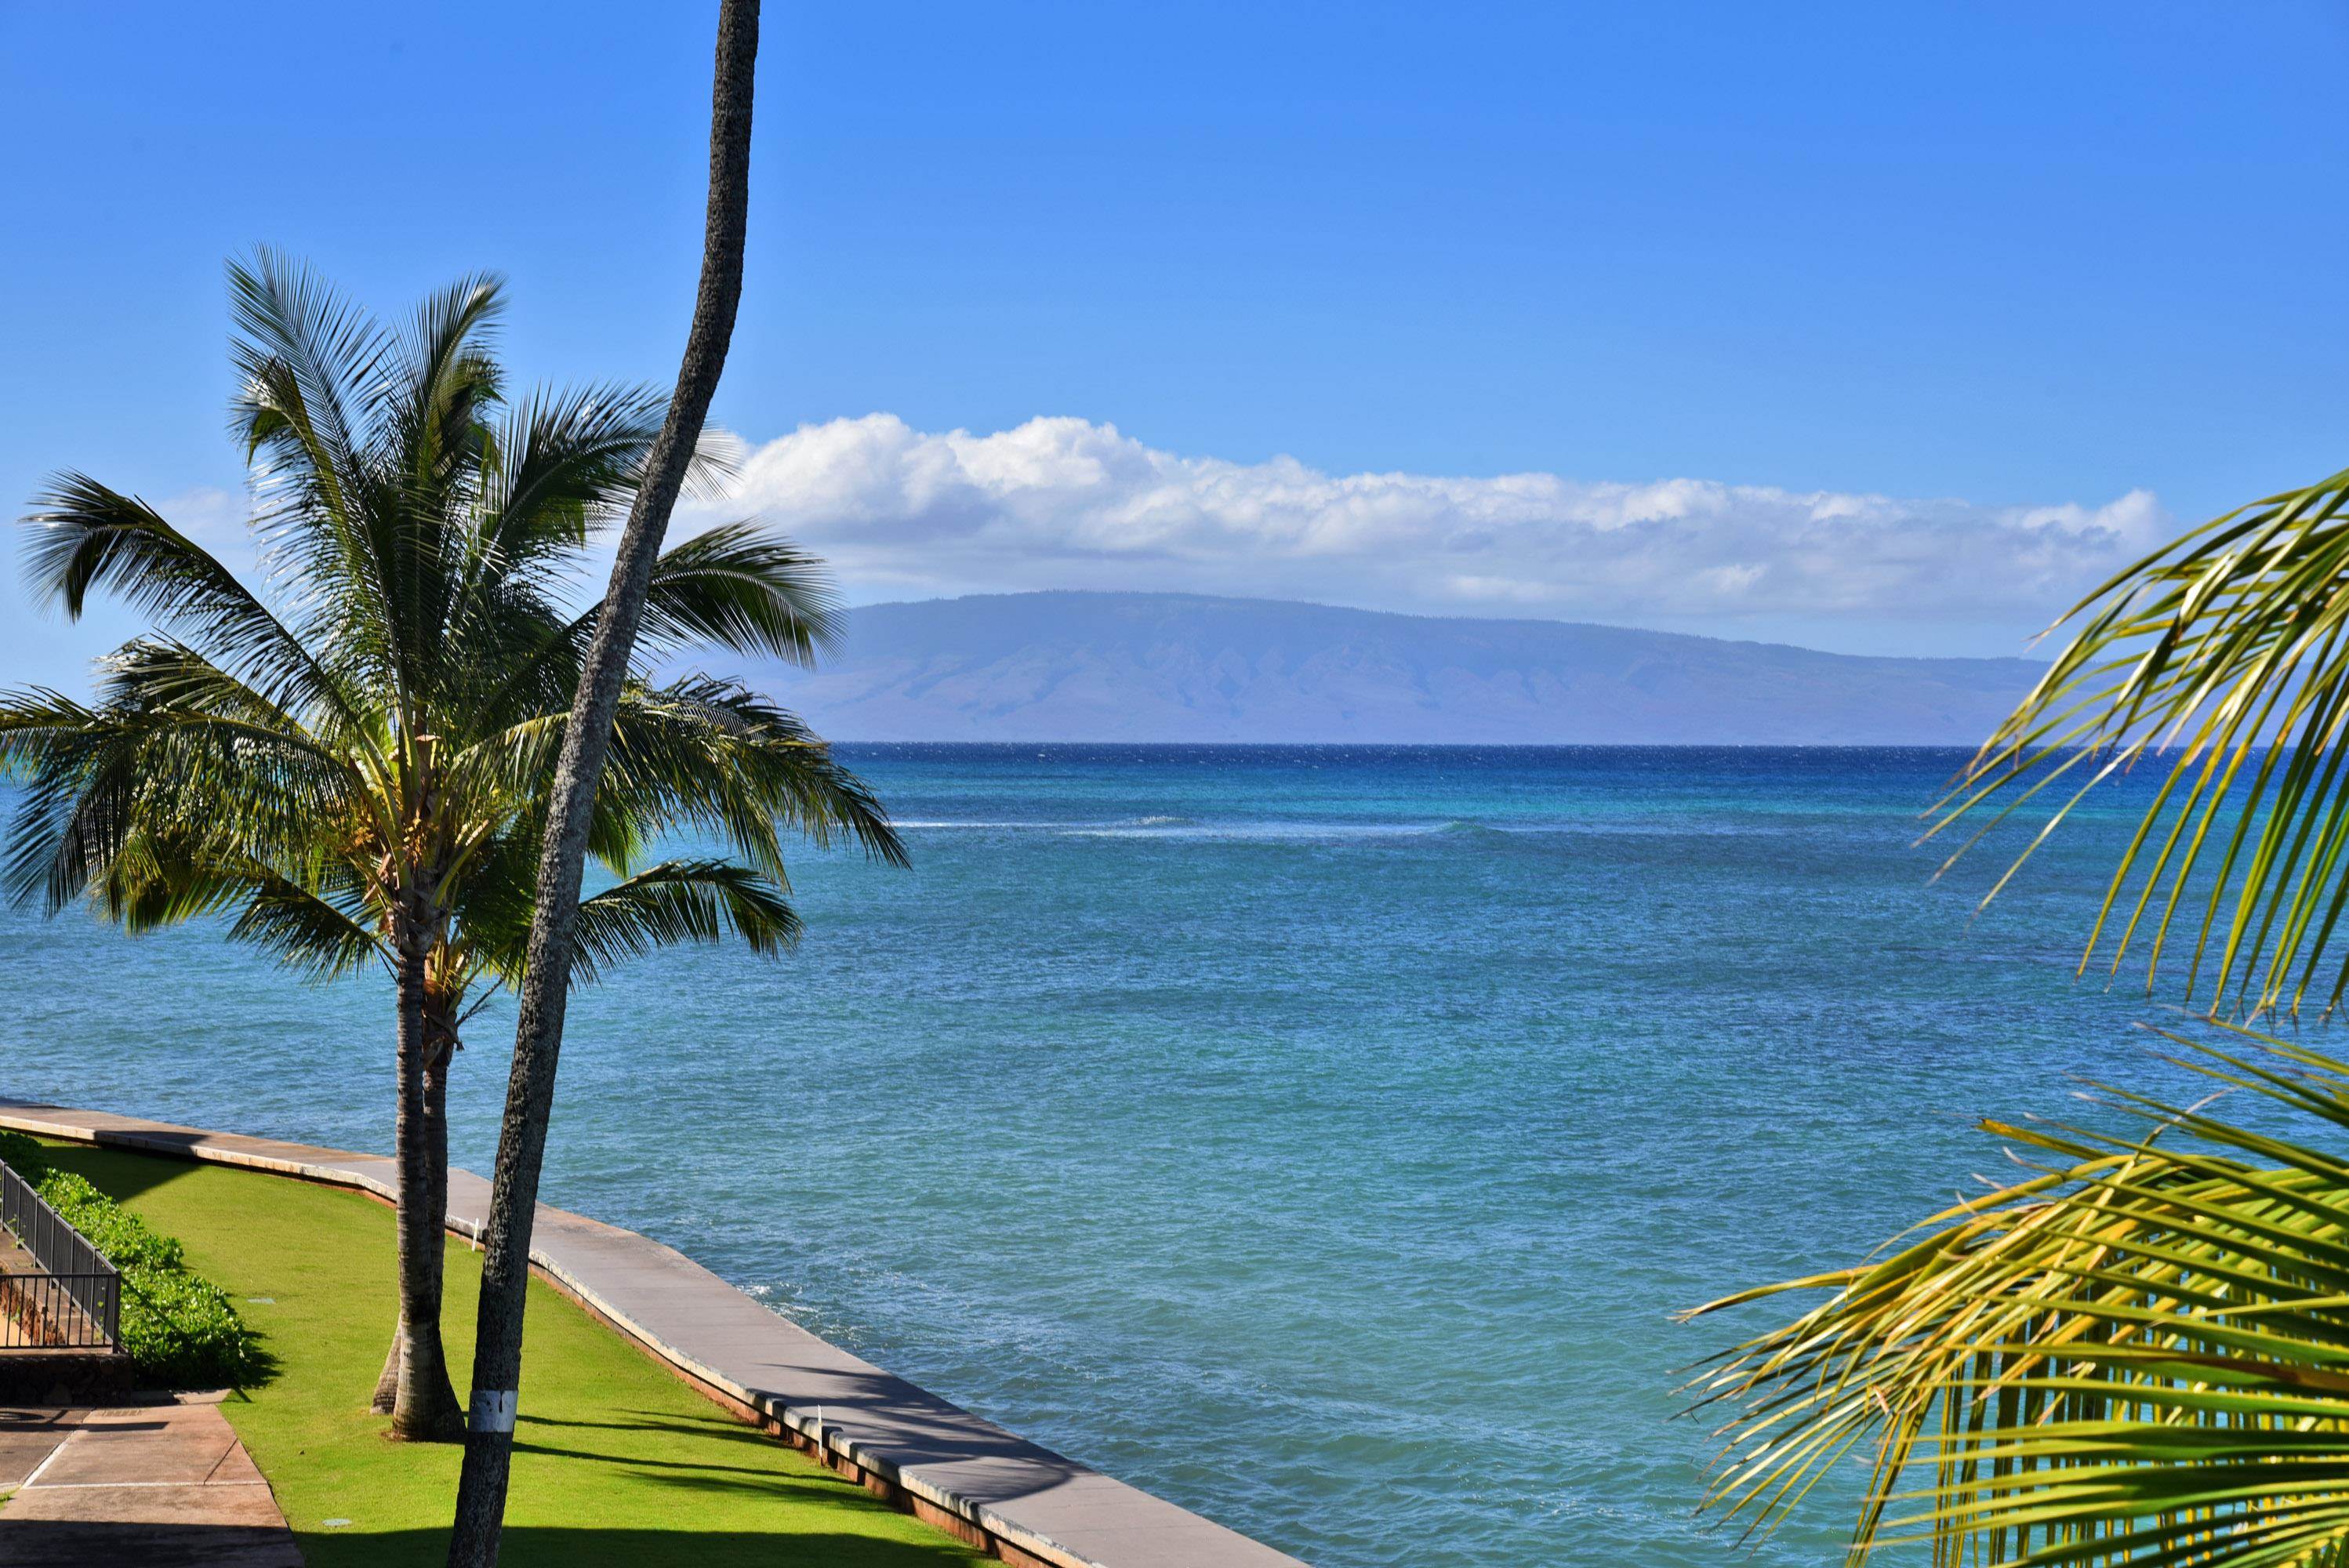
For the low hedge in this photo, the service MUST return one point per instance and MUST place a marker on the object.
(179, 1329)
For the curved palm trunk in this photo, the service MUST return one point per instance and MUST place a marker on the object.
(538, 1036)
(424, 1405)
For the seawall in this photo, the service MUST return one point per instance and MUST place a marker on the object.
(1026, 1504)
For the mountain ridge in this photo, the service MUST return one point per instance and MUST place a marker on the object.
(1075, 666)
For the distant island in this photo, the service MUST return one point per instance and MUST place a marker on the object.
(1064, 666)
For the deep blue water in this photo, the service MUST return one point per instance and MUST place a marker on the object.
(1318, 1137)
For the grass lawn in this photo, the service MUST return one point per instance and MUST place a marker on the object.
(616, 1460)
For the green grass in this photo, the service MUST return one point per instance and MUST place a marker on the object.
(616, 1459)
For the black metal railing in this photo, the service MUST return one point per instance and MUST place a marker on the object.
(56, 1291)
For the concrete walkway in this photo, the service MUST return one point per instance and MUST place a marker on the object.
(163, 1485)
(955, 1468)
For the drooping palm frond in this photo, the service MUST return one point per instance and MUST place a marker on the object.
(2139, 1356)
(677, 902)
(704, 757)
(2227, 655)
(322, 926)
(714, 756)
(740, 587)
(83, 537)
(218, 771)
(664, 905)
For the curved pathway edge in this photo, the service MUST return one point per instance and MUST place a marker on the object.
(956, 1470)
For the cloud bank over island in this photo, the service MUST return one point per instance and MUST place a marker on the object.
(1069, 503)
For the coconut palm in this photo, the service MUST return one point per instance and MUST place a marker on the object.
(2140, 1353)
(588, 742)
(355, 766)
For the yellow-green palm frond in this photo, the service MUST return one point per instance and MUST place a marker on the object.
(2139, 1355)
(2225, 657)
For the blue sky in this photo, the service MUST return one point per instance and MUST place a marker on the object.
(1978, 297)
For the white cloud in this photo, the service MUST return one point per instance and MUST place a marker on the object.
(1064, 502)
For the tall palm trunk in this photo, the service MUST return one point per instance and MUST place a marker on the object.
(436, 1171)
(546, 977)
(434, 1199)
(424, 1405)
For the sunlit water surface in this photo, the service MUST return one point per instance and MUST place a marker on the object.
(1318, 1137)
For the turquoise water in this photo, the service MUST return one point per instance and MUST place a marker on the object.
(1316, 1137)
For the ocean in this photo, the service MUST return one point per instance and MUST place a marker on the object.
(1320, 1137)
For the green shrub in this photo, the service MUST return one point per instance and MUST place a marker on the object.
(123, 1237)
(178, 1328)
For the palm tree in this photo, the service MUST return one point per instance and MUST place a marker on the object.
(589, 747)
(2140, 1353)
(356, 765)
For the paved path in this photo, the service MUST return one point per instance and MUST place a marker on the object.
(166, 1484)
(1051, 1508)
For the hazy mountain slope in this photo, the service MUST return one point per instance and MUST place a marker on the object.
(1182, 668)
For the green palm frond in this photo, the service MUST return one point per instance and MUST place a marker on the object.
(741, 587)
(677, 902)
(429, 411)
(83, 537)
(705, 756)
(80, 785)
(715, 757)
(307, 360)
(2139, 1355)
(306, 356)
(2224, 656)
(429, 443)
(568, 460)
(324, 930)
(94, 777)
(566, 465)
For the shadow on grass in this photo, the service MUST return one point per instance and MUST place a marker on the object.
(718, 1424)
(120, 1175)
(262, 1367)
(59, 1543)
(45, 1543)
(693, 1475)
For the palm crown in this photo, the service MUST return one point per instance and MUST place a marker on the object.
(353, 766)
(365, 769)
